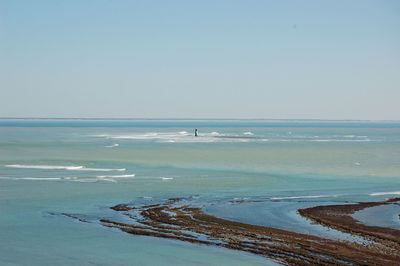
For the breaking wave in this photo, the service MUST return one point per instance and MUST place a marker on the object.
(103, 169)
(214, 136)
(68, 179)
(32, 178)
(182, 137)
(385, 193)
(44, 167)
(304, 197)
(62, 167)
(112, 145)
(116, 176)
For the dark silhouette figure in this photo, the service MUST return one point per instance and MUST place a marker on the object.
(195, 132)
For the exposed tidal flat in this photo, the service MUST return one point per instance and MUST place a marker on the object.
(254, 172)
(176, 219)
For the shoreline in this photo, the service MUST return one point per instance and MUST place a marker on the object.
(174, 220)
(340, 217)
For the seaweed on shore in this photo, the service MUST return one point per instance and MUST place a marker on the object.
(174, 220)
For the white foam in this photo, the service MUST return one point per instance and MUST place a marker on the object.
(85, 180)
(210, 137)
(240, 199)
(70, 178)
(116, 176)
(357, 163)
(103, 169)
(152, 136)
(179, 137)
(45, 167)
(109, 180)
(304, 197)
(340, 140)
(385, 193)
(101, 136)
(94, 180)
(354, 136)
(62, 167)
(166, 178)
(32, 178)
(41, 178)
(112, 145)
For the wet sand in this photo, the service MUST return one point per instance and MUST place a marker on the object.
(174, 219)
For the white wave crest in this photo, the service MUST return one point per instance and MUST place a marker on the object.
(85, 180)
(385, 193)
(100, 136)
(166, 178)
(112, 145)
(41, 178)
(62, 167)
(32, 178)
(116, 176)
(69, 179)
(93, 180)
(45, 167)
(179, 137)
(304, 197)
(248, 133)
(340, 140)
(354, 136)
(109, 180)
(103, 169)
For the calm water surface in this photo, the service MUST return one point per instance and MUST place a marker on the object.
(253, 171)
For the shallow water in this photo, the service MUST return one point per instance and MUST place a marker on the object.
(83, 167)
(384, 215)
(281, 215)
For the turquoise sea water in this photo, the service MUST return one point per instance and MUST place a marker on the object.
(253, 171)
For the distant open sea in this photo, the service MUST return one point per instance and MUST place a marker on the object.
(273, 167)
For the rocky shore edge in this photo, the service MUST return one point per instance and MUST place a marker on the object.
(173, 219)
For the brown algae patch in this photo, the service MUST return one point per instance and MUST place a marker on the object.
(185, 223)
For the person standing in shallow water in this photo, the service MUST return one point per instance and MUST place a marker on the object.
(195, 132)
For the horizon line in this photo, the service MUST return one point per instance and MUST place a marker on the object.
(188, 118)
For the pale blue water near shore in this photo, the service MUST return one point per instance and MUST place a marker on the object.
(247, 170)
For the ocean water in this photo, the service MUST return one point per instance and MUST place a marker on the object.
(256, 171)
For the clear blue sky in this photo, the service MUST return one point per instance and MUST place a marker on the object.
(200, 59)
